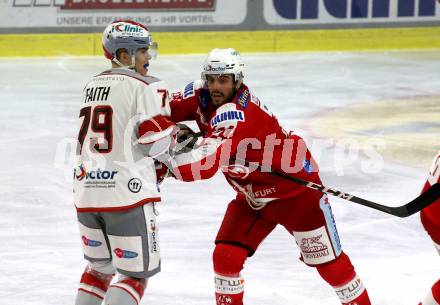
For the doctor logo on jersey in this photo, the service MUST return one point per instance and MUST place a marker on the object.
(98, 178)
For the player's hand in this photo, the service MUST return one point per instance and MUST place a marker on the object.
(162, 171)
(184, 132)
(186, 138)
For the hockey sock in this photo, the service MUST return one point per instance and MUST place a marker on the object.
(353, 292)
(92, 287)
(229, 285)
(127, 291)
(340, 274)
(229, 290)
(433, 297)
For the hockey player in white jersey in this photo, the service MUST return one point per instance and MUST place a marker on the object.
(122, 121)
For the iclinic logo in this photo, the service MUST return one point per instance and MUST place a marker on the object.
(123, 27)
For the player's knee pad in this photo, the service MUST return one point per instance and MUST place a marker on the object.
(322, 244)
(128, 290)
(93, 285)
(229, 259)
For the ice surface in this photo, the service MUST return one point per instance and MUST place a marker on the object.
(41, 260)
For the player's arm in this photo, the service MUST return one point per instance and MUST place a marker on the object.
(155, 130)
(215, 149)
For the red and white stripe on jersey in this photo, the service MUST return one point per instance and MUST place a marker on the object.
(155, 129)
(434, 173)
(134, 287)
(200, 163)
(93, 285)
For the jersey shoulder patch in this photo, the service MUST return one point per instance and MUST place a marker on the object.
(243, 99)
(190, 89)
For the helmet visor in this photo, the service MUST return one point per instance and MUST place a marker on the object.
(152, 49)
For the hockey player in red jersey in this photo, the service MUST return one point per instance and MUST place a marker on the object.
(430, 217)
(114, 184)
(234, 123)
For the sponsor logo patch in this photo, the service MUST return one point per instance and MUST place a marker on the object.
(80, 173)
(350, 291)
(189, 90)
(244, 99)
(134, 185)
(312, 247)
(90, 242)
(228, 285)
(307, 165)
(128, 28)
(124, 253)
(209, 68)
(96, 178)
(236, 171)
(232, 115)
(265, 192)
(224, 300)
(153, 236)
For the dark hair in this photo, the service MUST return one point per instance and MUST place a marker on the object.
(119, 52)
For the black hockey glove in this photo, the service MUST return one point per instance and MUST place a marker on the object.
(186, 139)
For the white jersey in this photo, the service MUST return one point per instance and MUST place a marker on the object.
(112, 172)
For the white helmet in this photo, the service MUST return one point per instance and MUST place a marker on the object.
(129, 35)
(224, 61)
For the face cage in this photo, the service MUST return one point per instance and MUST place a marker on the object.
(152, 50)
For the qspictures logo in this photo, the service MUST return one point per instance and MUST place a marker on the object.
(201, 5)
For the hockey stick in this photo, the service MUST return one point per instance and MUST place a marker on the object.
(416, 205)
(408, 209)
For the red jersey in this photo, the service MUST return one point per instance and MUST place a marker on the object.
(245, 129)
(433, 210)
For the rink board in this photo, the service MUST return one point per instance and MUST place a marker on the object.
(89, 44)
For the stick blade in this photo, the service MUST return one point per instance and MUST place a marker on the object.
(430, 196)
